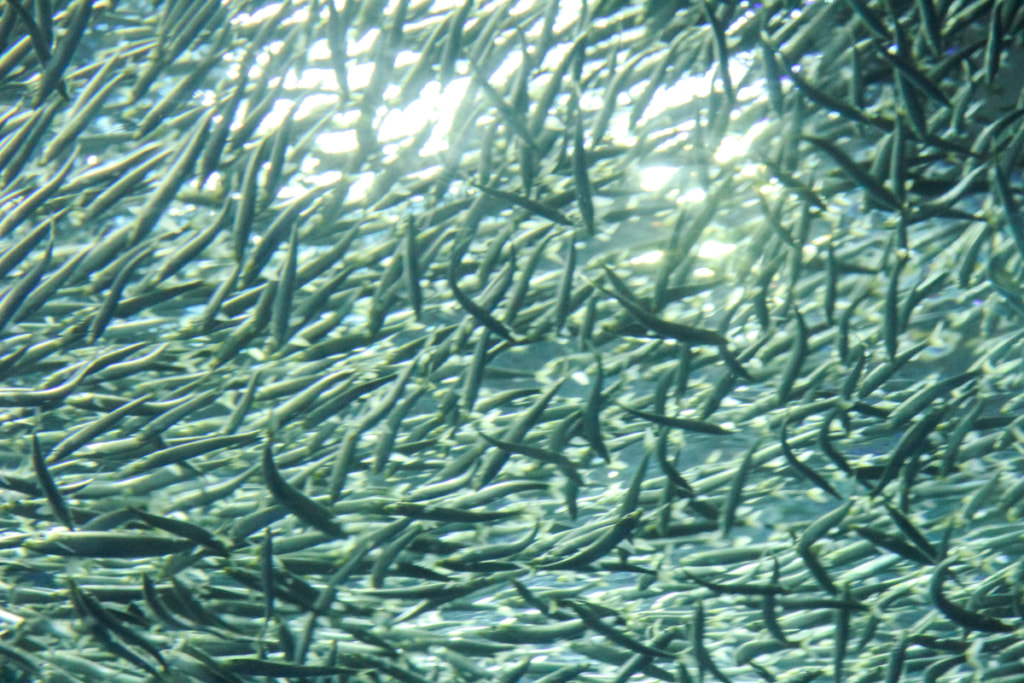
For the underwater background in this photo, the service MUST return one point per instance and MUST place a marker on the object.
(454, 340)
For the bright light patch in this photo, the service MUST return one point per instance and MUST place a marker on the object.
(618, 128)
(750, 170)
(359, 75)
(430, 96)
(319, 51)
(314, 103)
(312, 79)
(703, 272)
(291, 192)
(322, 179)
(521, 7)
(568, 14)
(507, 69)
(259, 16)
(301, 16)
(213, 183)
(556, 54)
(347, 119)
(277, 115)
(682, 91)
(406, 58)
(438, 103)
(589, 101)
(743, 20)
(426, 173)
(739, 65)
(402, 123)
(358, 190)
(580, 378)
(736, 146)
(653, 178)
(647, 258)
(337, 142)
(692, 196)
(755, 92)
(363, 45)
(712, 249)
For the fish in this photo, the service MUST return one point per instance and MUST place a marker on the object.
(106, 311)
(994, 44)
(564, 465)
(53, 395)
(533, 206)
(249, 666)
(480, 314)
(957, 614)
(721, 51)
(181, 452)
(798, 353)
(34, 200)
(334, 336)
(183, 529)
(911, 443)
(41, 38)
(107, 544)
(615, 534)
(19, 146)
(893, 543)
(53, 494)
(85, 108)
(687, 424)
(306, 509)
(684, 333)
(593, 621)
(16, 296)
(875, 188)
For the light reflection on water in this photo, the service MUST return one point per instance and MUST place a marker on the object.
(437, 104)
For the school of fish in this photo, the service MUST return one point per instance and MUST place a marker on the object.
(351, 341)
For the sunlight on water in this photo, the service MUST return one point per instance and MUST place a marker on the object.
(399, 123)
(694, 195)
(359, 75)
(679, 93)
(504, 73)
(436, 104)
(337, 142)
(364, 44)
(521, 7)
(260, 15)
(712, 249)
(653, 178)
(737, 146)
(648, 258)
(444, 5)
(277, 115)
